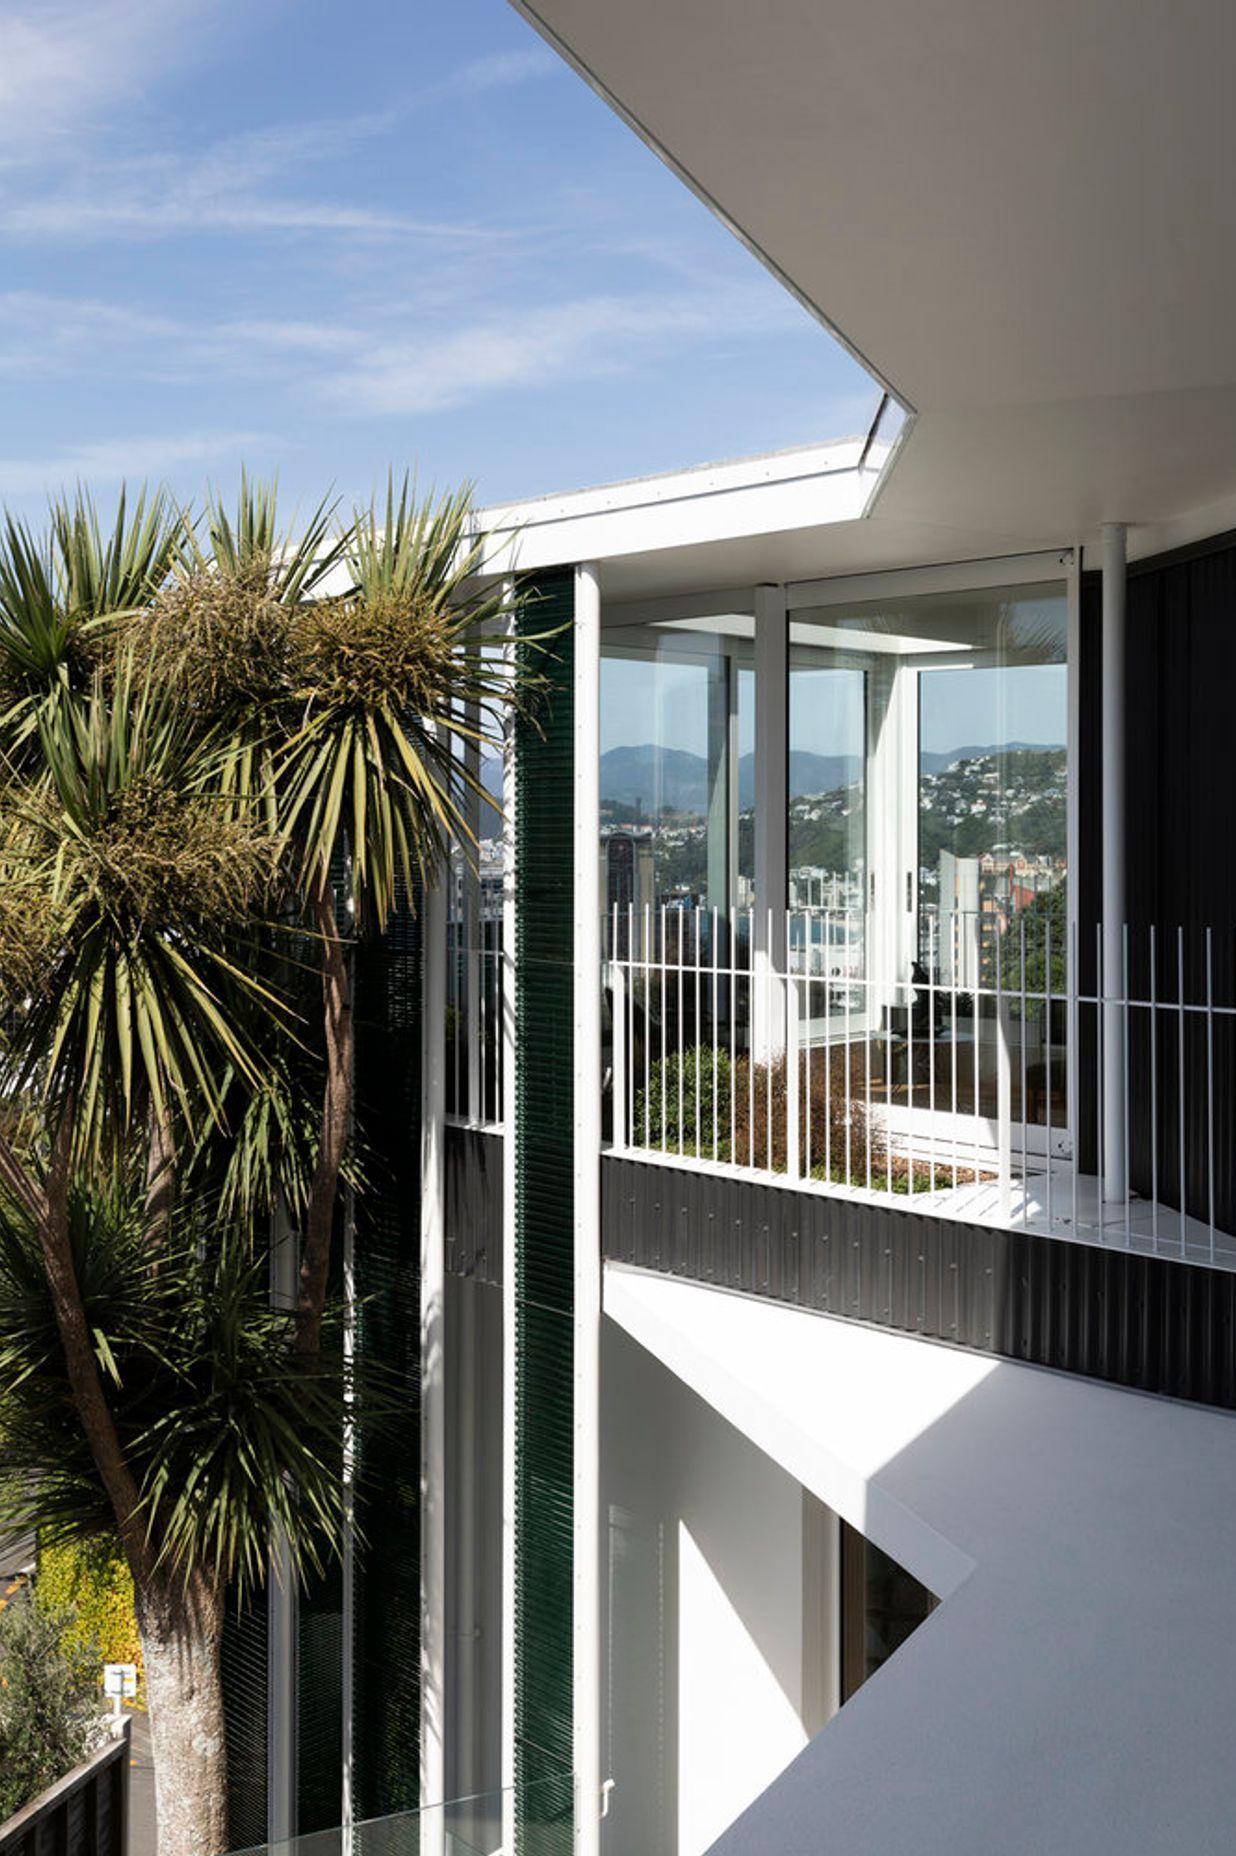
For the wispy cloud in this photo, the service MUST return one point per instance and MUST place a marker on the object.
(250, 183)
(64, 62)
(135, 460)
(360, 364)
(500, 71)
(544, 347)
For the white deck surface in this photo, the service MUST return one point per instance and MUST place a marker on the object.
(1076, 1690)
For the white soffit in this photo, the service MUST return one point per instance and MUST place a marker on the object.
(1021, 217)
(1073, 1691)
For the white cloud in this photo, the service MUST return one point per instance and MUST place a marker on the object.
(135, 460)
(63, 62)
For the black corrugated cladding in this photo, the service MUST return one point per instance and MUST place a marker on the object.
(387, 1660)
(1137, 1321)
(543, 1259)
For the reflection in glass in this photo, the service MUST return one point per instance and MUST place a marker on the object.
(945, 822)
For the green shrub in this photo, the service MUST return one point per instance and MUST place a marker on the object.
(92, 1584)
(50, 1712)
(702, 1090)
(686, 1098)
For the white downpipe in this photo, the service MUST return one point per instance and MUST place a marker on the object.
(1114, 897)
(509, 1435)
(471, 913)
(771, 819)
(433, 1390)
(586, 1578)
(347, 1620)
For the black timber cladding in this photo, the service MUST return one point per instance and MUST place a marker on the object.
(387, 1646)
(543, 1259)
(1136, 1321)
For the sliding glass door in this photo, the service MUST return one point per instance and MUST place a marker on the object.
(928, 836)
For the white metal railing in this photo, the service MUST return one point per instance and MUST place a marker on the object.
(474, 1022)
(993, 1063)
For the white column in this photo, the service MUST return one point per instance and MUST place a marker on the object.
(470, 928)
(772, 696)
(347, 1620)
(509, 1436)
(1114, 898)
(586, 1581)
(433, 1390)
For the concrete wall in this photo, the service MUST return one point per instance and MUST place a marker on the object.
(714, 1633)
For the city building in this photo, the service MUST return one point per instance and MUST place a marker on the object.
(818, 1267)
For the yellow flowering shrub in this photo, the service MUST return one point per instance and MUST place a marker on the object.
(93, 1583)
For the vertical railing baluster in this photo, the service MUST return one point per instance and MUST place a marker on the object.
(1210, 1094)
(791, 1061)
(1023, 1106)
(1180, 1065)
(1100, 1039)
(618, 1018)
(1047, 1007)
(1154, 1090)
(1128, 1167)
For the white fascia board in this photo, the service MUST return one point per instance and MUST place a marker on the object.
(807, 488)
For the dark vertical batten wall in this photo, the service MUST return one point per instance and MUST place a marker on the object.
(1181, 670)
(387, 1654)
(543, 1259)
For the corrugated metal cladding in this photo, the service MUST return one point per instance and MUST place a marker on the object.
(387, 1657)
(543, 1261)
(1143, 1322)
(473, 1207)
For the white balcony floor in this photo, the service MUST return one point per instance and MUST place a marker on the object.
(1067, 1204)
(1055, 1202)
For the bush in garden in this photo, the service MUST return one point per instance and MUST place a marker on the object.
(50, 1712)
(690, 1095)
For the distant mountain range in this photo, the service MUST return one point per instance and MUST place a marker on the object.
(648, 777)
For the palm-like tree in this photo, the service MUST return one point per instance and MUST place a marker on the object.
(131, 882)
(217, 751)
(347, 669)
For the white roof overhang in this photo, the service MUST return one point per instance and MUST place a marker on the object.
(1020, 217)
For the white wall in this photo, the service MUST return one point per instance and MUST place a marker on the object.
(704, 1650)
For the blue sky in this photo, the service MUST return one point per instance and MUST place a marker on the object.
(324, 239)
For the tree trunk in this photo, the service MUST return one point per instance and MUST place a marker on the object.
(181, 1627)
(336, 1118)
